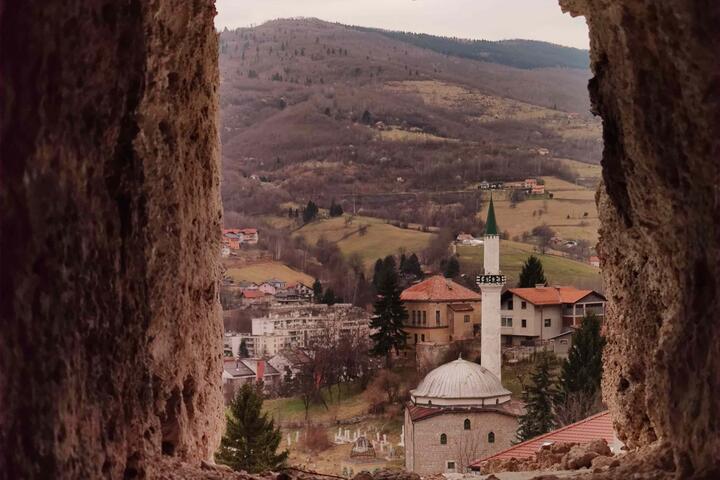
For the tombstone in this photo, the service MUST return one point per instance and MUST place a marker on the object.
(377, 436)
(384, 437)
(289, 440)
(297, 435)
(402, 437)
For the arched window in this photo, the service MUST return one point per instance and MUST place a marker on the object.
(466, 425)
(491, 437)
(443, 439)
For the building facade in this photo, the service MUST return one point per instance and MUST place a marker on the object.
(440, 311)
(544, 313)
(296, 325)
(458, 413)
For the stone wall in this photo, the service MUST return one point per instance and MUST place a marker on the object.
(426, 456)
(657, 88)
(110, 349)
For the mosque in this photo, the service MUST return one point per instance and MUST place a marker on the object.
(460, 411)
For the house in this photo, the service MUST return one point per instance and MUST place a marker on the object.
(250, 236)
(484, 185)
(245, 285)
(440, 311)
(267, 288)
(299, 290)
(595, 427)
(468, 239)
(595, 261)
(232, 237)
(530, 183)
(225, 249)
(542, 313)
(457, 406)
(255, 296)
(289, 360)
(277, 283)
(538, 190)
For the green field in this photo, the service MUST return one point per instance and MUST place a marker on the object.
(348, 402)
(259, 272)
(379, 240)
(558, 270)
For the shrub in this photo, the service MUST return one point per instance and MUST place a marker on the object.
(315, 439)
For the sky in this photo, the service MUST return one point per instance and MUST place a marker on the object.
(476, 19)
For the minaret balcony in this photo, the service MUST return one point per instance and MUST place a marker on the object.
(491, 280)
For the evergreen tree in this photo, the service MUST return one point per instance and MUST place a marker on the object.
(451, 268)
(317, 291)
(310, 212)
(290, 212)
(582, 372)
(377, 272)
(335, 209)
(251, 440)
(412, 266)
(328, 297)
(389, 316)
(532, 273)
(403, 261)
(243, 351)
(539, 398)
(366, 117)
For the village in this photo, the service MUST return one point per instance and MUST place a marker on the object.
(439, 382)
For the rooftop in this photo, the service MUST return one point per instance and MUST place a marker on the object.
(551, 295)
(592, 428)
(460, 382)
(440, 289)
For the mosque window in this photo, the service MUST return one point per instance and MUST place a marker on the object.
(491, 437)
(443, 439)
(466, 424)
(437, 317)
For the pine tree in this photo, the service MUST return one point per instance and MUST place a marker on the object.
(539, 398)
(251, 440)
(243, 350)
(582, 372)
(328, 297)
(377, 272)
(451, 268)
(532, 273)
(310, 212)
(317, 291)
(412, 266)
(389, 316)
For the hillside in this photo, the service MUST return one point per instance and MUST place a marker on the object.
(314, 110)
(514, 53)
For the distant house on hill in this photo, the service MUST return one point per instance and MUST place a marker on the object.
(237, 372)
(546, 313)
(255, 296)
(440, 311)
(245, 285)
(595, 261)
(267, 288)
(277, 283)
(234, 237)
(467, 239)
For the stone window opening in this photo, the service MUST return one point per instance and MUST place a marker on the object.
(466, 424)
(443, 439)
(491, 437)
(122, 193)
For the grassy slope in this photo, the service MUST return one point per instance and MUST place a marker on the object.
(381, 239)
(558, 270)
(569, 199)
(260, 272)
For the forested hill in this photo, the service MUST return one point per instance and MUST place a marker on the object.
(525, 54)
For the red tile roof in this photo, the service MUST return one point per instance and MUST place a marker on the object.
(550, 295)
(439, 289)
(592, 428)
(253, 293)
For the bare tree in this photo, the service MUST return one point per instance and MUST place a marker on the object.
(467, 447)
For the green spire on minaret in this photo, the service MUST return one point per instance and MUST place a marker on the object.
(491, 225)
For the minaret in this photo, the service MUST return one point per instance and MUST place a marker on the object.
(491, 284)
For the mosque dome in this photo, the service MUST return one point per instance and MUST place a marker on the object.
(460, 383)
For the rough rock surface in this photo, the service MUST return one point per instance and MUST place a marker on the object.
(657, 87)
(110, 349)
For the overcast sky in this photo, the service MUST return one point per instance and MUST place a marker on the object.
(478, 19)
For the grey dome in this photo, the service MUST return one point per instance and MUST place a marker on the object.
(460, 383)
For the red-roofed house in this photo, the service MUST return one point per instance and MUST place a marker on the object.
(546, 313)
(596, 427)
(440, 311)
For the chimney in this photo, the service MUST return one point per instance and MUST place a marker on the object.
(260, 371)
